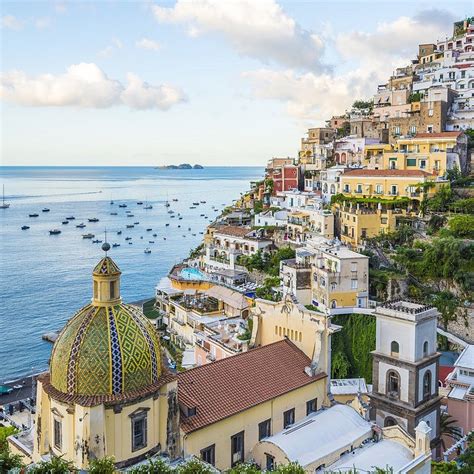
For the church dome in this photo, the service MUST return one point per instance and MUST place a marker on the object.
(107, 347)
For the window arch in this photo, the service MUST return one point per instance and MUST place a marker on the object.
(333, 304)
(389, 421)
(427, 384)
(333, 189)
(394, 349)
(393, 384)
(425, 348)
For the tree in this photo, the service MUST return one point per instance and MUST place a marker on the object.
(56, 465)
(441, 200)
(444, 467)
(102, 466)
(5, 432)
(447, 304)
(193, 466)
(247, 468)
(462, 226)
(153, 466)
(291, 468)
(9, 461)
(340, 365)
(447, 429)
(435, 223)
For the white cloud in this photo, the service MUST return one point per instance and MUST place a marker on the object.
(148, 44)
(86, 86)
(11, 22)
(140, 95)
(43, 23)
(369, 58)
(111, 48)
(261, 30)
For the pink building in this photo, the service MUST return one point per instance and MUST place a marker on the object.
(461, 395)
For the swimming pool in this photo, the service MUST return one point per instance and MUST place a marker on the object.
(192, 274)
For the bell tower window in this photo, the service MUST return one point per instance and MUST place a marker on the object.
(112, 289)
(394, 349)
(393, 384)
(425, 348)
(427, 384)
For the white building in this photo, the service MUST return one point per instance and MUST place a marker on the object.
(269, 218)
(331, 182)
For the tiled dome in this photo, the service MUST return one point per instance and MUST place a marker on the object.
(107, 348)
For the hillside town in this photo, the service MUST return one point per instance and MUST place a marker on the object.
(324, 324)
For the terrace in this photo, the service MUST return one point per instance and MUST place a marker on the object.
(197, 302)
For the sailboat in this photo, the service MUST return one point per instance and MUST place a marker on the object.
(4, 205)
(147, 205)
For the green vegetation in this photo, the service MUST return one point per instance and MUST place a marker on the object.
(266, 291)
(462, 226)
(194, 253)
(7, 459)
(56, 465)
(344, 130)
(363, 105)
(311, 307)
(153, 466)
(340, 198)
(193, 466)
(149, 309)
(257, 207)
(352, 345)
(175, 352)
(102, 466)
(414, 97)
(248, 331)
(5, 432)
(464, 464)
(266, 263)
(249, 468)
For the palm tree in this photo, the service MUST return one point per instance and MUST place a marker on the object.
(447, 429)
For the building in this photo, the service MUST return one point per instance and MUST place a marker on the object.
(405, 367)
(349, 151)
(308, 222)
(434, 153)
(345, 390)
(399, 194)
(284, 174)
(461, 394)
(219, 339)
(230, 242)
(340, 279)
(106, 393)
(338, 439)
(271, 218)
(229, 405)
(331, 182)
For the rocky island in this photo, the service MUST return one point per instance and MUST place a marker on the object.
(183, 166)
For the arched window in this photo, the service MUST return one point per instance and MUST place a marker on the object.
(333, 189)
(389, 421)
(325, 188)
(333, 286)
(425, 348)
(333, 304)
(394, 349)
(427, 384)
(393, 384)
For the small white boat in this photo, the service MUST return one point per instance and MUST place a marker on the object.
(88, 236)
(147, 250)
(54, 232)
(81, 225)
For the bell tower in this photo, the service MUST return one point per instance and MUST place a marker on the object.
(405, 367)
(106, 281)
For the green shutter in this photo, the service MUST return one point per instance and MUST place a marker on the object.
(411, 161)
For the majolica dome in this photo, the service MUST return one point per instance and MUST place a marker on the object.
(107, 348)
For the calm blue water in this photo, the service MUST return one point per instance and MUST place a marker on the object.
(44, 279)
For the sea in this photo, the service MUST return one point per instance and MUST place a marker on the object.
(45, 279)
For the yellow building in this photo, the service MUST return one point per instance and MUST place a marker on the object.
(106, 393)
(228, 406)
(399, 194)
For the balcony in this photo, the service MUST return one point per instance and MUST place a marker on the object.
(220, 259)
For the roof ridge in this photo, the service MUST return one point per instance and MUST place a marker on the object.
(290, 343)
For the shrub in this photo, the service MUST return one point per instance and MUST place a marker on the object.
(102, 466)
(154, 466)
(56, 465)
(462, 226)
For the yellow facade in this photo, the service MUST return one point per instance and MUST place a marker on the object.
(220, 433)
(386, 186)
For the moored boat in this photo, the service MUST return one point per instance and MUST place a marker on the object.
(93, 219)
(122, 205)
(33, 215)
(81, 225)
(54, 232)
(25, 227)
(147, 250)
(70, 218)
(4, 205)
(88, 236)
(65, 222)
(45, 209)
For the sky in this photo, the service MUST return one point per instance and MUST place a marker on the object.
(215, 82)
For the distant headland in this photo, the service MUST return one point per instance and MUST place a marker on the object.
(183, 166)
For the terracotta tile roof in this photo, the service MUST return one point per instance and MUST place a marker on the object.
(438, 135)
(107, 400)
(388, 173)
(234, 384)
(234, 230)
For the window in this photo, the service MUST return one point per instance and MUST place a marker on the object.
(430, 112)
(422, 164)
(394, 349)
(389, 421)
(311, 406)
(138, 432)
(347, 188)
(288, 418)
(378, 189)
(58, 434)
(411, 161)
(354, 284)
(209, 454)
(333, 286)
(425, 348)
(269, 462)
(413, 129)
(393, 190)
(237, 448)
(264, 429)
(396, 130)
(96, 290)
(393, 384)
(393, 163)
(112, 290)
(427, 384)
(359, 188)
